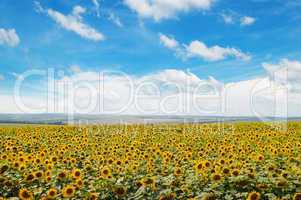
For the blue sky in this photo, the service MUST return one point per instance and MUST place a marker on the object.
(126, 36)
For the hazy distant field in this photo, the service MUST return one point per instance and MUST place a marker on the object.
(20, 124)
(165, 161)
(60, 119)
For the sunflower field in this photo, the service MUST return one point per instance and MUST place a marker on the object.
(164, 161)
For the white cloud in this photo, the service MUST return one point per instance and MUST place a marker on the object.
(75, 69)
(73, 22)
(78, 11)
(201, 50)
(164, 92)
(9, 37)
(2, 77)
(96, 4)
(9, 105)
(247, 21)
(115, 19)
(38, 7)
(165, 9)
(286, 72)
(168, 42)
(215, 53)
(228, 19)
(258, 97)
(232, 17)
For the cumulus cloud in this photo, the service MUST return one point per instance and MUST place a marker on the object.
(75, 69)
(286, 72)
(214, 53)
(201, 50)
(9, 37)
(163, 92)
(73, 22)
(166, 92)
(168, 42)
(247, 21)
(165, 9)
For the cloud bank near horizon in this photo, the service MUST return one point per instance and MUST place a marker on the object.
(166, 92)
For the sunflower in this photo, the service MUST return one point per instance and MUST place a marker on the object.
(226, 171)
(68, 191)
(79, 183)
(25, 194)
(16, 164)
(118, 162)
(51, 194)
(38, 174)
(207, 164)
(110, 161)
(37, 161)
(105, 172)
(148, 181)
(62, 175)
(177, 171)
(48, 178)
(76, 174)
(253, 196)
(4, 157)
(54, 159)
(22, 167)
(260, 158)
(88, 167)
(120, 191)
(216, 177)
(222, 162)
(92, 196)
(199, 166)
(30, 177)
(235, 172)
